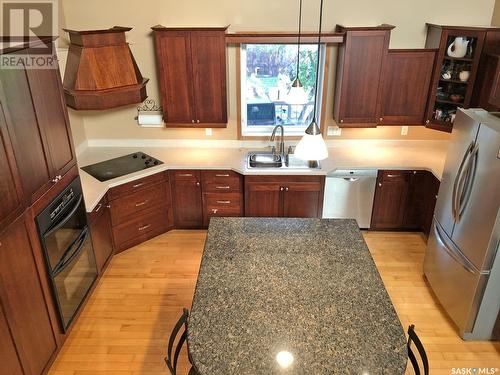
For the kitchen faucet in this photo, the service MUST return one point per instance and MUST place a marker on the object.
(282, 140)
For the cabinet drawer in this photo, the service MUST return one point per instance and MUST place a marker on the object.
(229, 204)
(98, 209)
(141, 228)
(136, 185)
(218, 175)
(185, 174)
(221, 185)
(393, 175)
(130, 205)
(223, 200)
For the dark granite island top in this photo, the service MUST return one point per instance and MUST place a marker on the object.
(270, 289)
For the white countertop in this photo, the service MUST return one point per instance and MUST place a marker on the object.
(427, 155)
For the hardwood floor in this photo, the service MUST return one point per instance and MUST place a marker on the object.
(125, 325)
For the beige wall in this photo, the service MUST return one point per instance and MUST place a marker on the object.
(495, 19)
(409, 17)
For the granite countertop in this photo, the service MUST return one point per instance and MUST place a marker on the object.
(306, 287)
(428, 155)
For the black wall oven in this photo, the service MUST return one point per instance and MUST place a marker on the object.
(64, 234)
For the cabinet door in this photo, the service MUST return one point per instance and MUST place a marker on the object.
(405, 87)
(31, 157)
(263, 199)
(47, 94)
(390, 200)
(8, 355)
(22, 297)
(186, 199)
(209, 76)
(360, 68)
(173, 54)
(415, 200)
(430, 199)
(302, 199)
(102, 236)
(11, 203)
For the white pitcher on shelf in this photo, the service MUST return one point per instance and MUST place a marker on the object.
(459, 47)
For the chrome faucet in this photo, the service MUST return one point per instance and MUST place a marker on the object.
(282, 139)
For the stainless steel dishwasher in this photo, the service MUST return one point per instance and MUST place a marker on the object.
(349, 195)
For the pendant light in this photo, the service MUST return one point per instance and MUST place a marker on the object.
(297, 94)
(312, 146)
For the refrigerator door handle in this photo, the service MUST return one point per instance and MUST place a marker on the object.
(470, 174)
(459, 258)
(458, 178)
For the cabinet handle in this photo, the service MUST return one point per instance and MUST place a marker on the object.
(427, 121)
(381, 119)
(192, 121)
(222, 175)
(198, 121)
(223, 187)
(379, 184)
(141, 203)
(108, 206)
(341, 121)
(138, 185)
(414, 172)
(98, 207)
(393, 175)
(197, 184)
(185, 175)
(145, 227)
(224, 202)
(281, 188)
(214, 210)
(286, 189)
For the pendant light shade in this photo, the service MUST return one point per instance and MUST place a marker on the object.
(312, 146)
(297, 94)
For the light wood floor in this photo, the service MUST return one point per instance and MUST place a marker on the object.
(125, 325)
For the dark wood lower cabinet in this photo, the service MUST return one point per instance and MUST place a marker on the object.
(102, 235)
(23, 300)
(186, 198)
(9, 359)
(284, 196)
(404, 200)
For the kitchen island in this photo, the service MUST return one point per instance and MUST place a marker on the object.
(295, 296)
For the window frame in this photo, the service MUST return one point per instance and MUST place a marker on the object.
(263, 132)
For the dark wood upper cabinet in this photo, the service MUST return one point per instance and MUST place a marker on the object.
(192, 75)
(23, 300)
(22, 124)
(359, 70)
(38, 126)
(186, 198)
(284, 196)
(405, 86)
(12, 202)
(448, 90)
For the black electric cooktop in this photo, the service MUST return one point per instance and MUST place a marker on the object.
(109, 169)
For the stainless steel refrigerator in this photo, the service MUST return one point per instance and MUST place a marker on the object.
(460, 264)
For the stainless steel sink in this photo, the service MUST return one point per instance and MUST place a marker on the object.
(263, 159)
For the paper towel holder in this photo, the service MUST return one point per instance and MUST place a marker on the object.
(149, 114)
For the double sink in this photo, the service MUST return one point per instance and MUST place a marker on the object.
(273, 160)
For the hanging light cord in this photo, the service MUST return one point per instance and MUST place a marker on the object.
(298, 44)
(317, 62)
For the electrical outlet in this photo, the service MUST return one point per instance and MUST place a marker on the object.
(404, 130)
(334, 131)
(208, 131)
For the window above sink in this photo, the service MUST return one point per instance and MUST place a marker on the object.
(267, 72)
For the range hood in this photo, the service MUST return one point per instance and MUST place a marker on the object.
(101, 72)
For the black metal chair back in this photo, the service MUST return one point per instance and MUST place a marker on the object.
(170, 360)
(413, 338)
